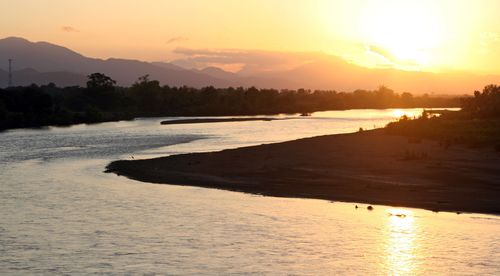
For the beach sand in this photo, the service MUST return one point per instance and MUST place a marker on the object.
(215, 120)
(366, 167)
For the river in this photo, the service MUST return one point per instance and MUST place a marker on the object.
(60, 214)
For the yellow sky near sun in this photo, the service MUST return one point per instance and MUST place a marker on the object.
(418, 34)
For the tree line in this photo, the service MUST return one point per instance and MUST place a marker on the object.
(476, 124)
(101, 100)
(483, 105)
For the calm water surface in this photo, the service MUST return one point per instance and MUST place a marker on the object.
(61, 215)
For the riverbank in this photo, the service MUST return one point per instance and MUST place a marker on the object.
(215, 120)
(366, 167)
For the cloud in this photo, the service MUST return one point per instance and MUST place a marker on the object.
(69, 29)
(381, 52)
(177, 39)
(385, 59)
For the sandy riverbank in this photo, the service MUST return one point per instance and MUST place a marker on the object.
(215, 120)
(367, 167)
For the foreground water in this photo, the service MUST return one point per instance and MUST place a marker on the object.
(61, 215)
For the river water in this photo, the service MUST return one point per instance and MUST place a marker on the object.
(60, 214)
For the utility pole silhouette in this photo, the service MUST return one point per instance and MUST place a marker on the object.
(10, 73)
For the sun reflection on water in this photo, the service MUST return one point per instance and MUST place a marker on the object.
(400, 245)
(398, 113)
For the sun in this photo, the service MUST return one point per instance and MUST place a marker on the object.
(402, 33)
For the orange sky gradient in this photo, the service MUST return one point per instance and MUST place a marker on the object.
(422, 35)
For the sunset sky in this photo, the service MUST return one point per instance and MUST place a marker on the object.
(429, 35)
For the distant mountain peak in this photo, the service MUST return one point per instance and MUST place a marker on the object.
(167, 65)
(11, 39)
(217, 72)
(26, 53)
(19, 41)
(214, 69)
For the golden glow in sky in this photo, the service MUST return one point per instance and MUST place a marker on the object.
(406, 32)
(426, 35)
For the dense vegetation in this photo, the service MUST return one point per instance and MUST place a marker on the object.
(101, 100)
(476, 124)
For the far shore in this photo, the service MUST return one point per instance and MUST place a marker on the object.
(215, 120)
(366, 167)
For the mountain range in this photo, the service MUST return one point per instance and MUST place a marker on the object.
(42, 63)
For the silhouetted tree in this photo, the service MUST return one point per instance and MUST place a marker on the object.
(485, 104)
(147, 93)
(99, 81)
(100, 90)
